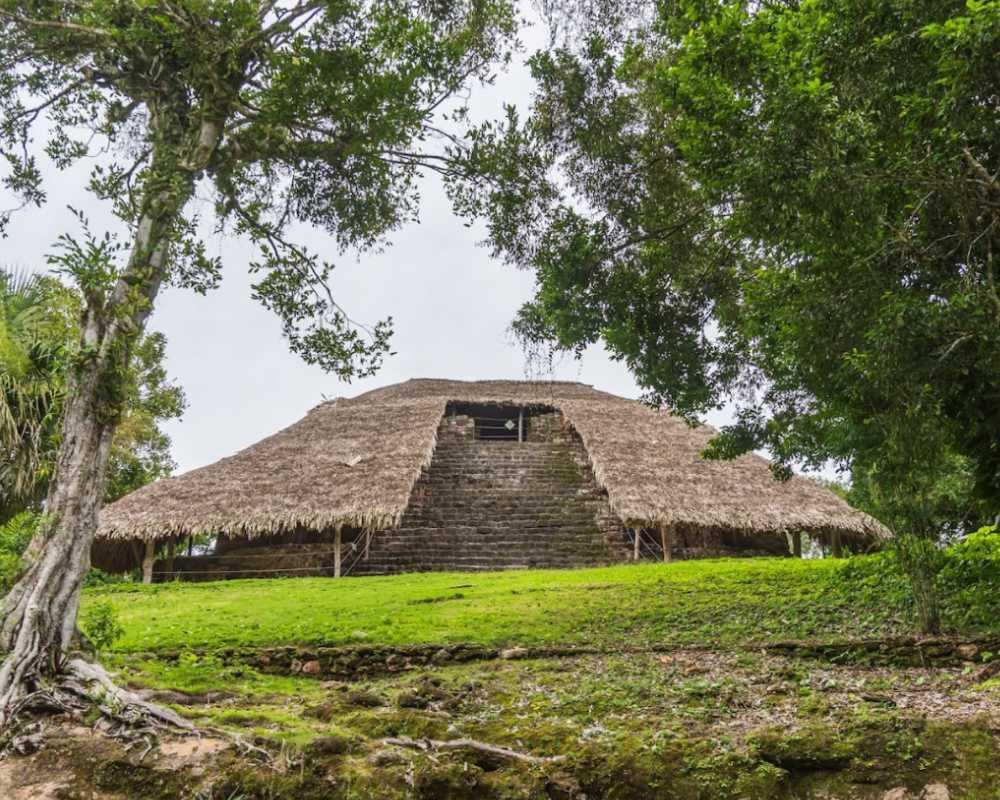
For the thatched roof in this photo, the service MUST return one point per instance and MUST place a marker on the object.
(354, 462)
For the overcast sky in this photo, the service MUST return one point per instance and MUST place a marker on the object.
(451, 303)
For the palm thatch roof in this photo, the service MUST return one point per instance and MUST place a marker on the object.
(355, 461)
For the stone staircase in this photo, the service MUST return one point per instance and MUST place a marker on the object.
(486, 505)
(480, 505)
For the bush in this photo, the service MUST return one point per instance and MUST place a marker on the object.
(14, 537)
(876, 580)
(967, 581)
(970, 581)
(100, 624)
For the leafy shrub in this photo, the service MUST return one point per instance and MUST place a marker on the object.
(877, 580)
(14, 537)
(967, 580)
(970, 581)
(98, 577)
(100, 624)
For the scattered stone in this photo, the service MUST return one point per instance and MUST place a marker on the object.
(968, 652)
(295, 667)
(899, 793)
(311, 668)
(395, 663)
(366, 699)
(513, 653)
(935, 791)
(264, 660)
(387, 757)
(442, 656)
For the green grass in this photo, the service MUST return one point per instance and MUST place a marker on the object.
(718, 719)
(712, 602)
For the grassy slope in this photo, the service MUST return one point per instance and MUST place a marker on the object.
(708, 722)
(716, 602)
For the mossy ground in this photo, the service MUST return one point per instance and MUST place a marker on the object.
(717, 717)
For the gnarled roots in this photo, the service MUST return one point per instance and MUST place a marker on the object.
(81, 689)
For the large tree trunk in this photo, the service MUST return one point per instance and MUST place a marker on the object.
(38, 621)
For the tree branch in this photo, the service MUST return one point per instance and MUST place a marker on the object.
(72, 27)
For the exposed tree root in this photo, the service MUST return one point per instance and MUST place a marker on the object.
(81, 689)
(495, 751)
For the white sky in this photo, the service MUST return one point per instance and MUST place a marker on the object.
(451, 304)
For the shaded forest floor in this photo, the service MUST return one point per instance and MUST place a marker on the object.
(716, 679)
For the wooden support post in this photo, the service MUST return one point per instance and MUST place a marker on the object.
(520, 424)
(835, 545)
(667, 541)
(147, 561)
(368, 542)
(797, 544)
(171, 548)
(190, 545)
(635, 552)
(336, 551)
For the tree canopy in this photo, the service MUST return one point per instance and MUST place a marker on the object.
(309, 112)
(795, 205)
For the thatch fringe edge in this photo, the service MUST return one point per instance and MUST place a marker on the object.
(852, 523)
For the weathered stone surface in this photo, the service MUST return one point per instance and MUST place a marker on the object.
(968, 651)
(480, 505)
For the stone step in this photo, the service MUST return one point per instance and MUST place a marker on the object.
(479, 506)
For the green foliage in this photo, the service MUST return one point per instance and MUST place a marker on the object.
(966, 578)
(39, 345)
(970, 580)
(15, 533)
(33, 320)
(789, 204)
(101, 626)
(301, 112)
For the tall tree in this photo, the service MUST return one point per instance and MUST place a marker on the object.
(315, 111)
(790, 204)
(795, 205)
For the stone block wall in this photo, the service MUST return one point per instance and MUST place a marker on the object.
(480, 505)
(485, 505)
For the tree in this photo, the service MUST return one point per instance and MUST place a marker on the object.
(316, 111)
(795, 205)
(38, 332)
(30, 388)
